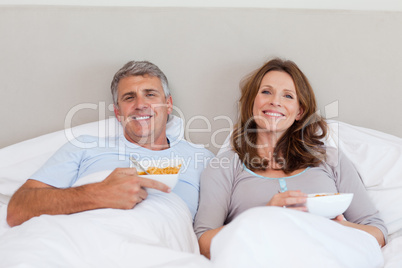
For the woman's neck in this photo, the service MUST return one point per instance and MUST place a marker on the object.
(266, 146)
(266, 143)
(269, 138)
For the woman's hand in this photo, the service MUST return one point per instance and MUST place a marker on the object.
(339, 219)
(374, 231)
(289, 199)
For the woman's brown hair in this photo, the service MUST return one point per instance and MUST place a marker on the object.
(301, 145)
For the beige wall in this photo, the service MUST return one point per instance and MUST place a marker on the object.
(57, 62)
(384, 5)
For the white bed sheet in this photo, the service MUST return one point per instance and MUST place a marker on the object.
(393, 253)
(289, 238)
(158, 232)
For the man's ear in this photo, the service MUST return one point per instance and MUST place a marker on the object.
(169, 103)
(117, 112)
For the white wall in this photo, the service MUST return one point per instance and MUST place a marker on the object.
(383, 5)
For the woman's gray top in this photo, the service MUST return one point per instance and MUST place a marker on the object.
(228, 188)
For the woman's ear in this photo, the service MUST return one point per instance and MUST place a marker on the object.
(300, 114)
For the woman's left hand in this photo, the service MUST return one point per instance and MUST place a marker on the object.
(374, 231)
(339, 218)
(289, 199)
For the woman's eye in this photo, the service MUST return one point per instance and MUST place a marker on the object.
(288, 96)
(266, 92)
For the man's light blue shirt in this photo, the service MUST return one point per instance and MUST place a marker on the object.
(90, 154)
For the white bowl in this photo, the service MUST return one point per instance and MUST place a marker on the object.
(328, 205)
(168, 179)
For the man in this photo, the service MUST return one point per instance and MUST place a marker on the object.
(142, 104)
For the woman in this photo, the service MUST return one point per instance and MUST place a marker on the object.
(278, 157)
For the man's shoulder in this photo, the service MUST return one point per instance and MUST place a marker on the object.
(90, 142)
(86, 139)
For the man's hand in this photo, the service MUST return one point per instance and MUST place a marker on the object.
(123, 188)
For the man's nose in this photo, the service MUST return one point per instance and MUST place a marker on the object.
(141, 103)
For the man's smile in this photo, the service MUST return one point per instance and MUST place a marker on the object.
(141, 117)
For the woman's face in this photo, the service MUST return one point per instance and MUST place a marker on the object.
(276, 105)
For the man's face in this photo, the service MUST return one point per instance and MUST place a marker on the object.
(142, 109)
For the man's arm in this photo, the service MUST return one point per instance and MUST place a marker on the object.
(122, 189)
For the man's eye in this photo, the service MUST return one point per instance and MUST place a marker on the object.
(128, 98)
(150, 94)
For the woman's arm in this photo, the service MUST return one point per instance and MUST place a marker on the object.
(216, 185)
(374, 231)
(362, 213)
(205, 241)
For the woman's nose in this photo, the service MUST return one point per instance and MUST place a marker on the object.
(275, 100)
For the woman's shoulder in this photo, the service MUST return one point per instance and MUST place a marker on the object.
(335, 156)
(337, 162)
(227, 161)
(227, 155)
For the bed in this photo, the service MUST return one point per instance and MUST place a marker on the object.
(158, 232)
(56, 64)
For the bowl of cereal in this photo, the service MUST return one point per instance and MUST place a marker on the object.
(328, 205)
(163, 170)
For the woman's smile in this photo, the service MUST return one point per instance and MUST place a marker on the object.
(276, 105)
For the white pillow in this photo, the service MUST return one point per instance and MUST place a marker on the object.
(21, 160)
(378, 158)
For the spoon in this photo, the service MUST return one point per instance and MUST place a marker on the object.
(138, 166)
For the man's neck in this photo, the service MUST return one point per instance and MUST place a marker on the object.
(162, 143)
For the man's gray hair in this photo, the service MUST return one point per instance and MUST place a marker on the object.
(134, 68)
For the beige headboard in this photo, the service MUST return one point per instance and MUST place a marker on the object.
(56, 63)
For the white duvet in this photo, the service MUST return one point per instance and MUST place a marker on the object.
(156, 233)
(280, 237)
